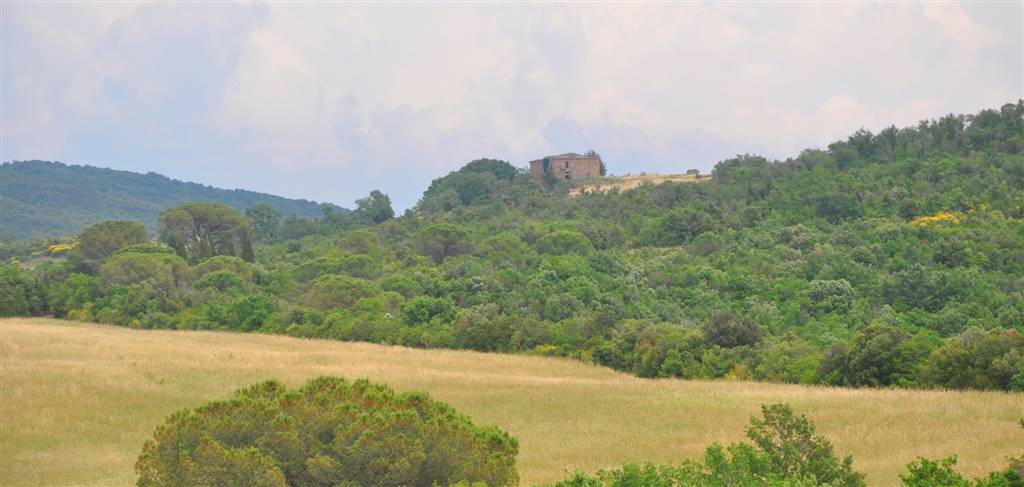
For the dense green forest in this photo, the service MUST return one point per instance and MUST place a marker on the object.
(893, 259)
(48, 199)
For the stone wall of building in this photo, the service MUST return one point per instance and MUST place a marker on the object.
(567, 167)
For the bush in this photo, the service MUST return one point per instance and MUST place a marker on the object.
(929, 473)
(977, 359)
(793, 450)
(562, 242)
(786, 452)
(332, 291)
(102, 239)
(726, 330)
(329, 432)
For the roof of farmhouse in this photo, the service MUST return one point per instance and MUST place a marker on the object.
(568, 155)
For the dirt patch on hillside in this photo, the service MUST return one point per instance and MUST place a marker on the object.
(626, 183)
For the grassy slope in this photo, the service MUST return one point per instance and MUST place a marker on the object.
(79, 399)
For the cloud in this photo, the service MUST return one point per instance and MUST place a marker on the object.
(329, 101)
(956, 25)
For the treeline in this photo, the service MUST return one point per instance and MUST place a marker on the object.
(886, 260)
(45, 199)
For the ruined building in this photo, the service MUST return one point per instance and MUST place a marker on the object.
(567, 166)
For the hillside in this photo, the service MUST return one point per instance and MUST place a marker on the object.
(48, 199)
(626, 183)
(79, 399)
(886, 260)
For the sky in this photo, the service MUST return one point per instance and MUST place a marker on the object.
(330, 101)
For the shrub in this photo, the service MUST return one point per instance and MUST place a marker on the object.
(726, 330)
(102, 239)
(331, 291)
(329, 432)
(562, 242)
(929, 473)
(793, 450)
(977, 359)
(786, 453)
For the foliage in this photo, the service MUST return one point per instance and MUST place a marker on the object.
(328, 432)
(102, 239)
(198, 231)
(266, 220)
(46, 199)
(375, 208)
(843, 266)
(786, 452)
(928, 473)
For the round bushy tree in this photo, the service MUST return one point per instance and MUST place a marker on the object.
(328, 433)
(102, 239)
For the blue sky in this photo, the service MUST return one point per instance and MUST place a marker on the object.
(330, 101)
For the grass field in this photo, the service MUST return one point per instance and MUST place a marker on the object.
(79, 399)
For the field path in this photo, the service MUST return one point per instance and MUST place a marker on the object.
(77, 400)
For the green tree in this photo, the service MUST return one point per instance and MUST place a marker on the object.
(198, 231)
(794, 450)
(727, 330)
(331, 291)
(374, 208)
(265, 220)
(329, 432)
(442, 240)
(102, 239)
(561, 242)
(161, 271)
(880, 356)
(976, 359)
(786, 453)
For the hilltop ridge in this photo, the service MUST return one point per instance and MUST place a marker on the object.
(44, 199)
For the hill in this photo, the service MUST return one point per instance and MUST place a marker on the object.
(49, 199)
(626, 183)
(79, 399)
(886, 260)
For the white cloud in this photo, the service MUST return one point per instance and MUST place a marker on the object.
(958, 26)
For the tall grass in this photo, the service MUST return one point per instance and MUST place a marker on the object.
(77, 401)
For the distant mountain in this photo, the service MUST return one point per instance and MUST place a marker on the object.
(41, 199)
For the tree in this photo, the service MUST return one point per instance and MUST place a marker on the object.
(879, 357)
(265, 220)
(330, 291)
(794, 451)
(976, 359)
(473, 188)
(198, 231)
(19, 293)
(726, 330)
(161, 271)
(561, 242)
(442, 240)
(375, 208)
(500, 169)
(328, 432)
(102, 239)
(785, 453)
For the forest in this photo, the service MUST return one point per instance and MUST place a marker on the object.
(42, 199)
(890, 259)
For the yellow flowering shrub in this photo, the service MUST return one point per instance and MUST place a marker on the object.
(939, 218)
(60, 248)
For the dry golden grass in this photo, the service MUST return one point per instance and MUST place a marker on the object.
(79, 399)
(626, 183)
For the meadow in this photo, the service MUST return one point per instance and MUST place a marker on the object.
(77, 401)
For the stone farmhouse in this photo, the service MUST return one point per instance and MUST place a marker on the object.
(567, 166)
